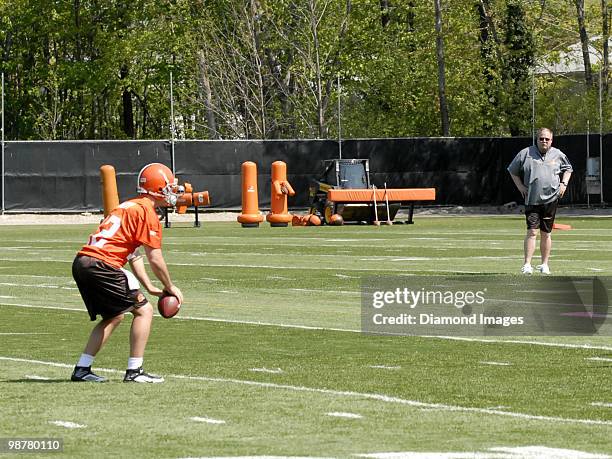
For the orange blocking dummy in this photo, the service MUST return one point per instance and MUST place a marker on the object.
(110, 196)
(250, 216)
(279, 215)
(189, 198)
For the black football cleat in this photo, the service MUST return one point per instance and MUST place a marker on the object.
(83, 374)
(138, 375)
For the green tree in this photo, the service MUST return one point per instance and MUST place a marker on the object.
(269, 69)
(518, 68)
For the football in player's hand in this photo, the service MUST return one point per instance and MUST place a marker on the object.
(168, 306)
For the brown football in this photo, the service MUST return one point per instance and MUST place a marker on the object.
(168, 306)
(336, 220)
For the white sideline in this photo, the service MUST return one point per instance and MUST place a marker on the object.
(344, 330)
(338, 393)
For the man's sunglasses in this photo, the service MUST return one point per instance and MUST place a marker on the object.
(545, 139)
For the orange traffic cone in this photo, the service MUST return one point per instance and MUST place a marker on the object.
(250, 216)
(110, 196)
(279, 215)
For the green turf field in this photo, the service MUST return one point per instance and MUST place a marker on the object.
(266, 357)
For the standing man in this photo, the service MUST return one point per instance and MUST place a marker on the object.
(540, 168)
(109, 290)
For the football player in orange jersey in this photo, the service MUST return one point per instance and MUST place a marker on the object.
(109, 290)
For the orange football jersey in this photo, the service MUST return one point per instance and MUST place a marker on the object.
(126, 228)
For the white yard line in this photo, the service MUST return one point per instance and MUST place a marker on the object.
(37, 378)
(394, 270)
(602, 404)
(34, 306)
(68, 424)
(503, 364)
(346, 330)
(342, 394)
(25, 247)
(11, 284)
(338, 414)
(521, 452)
(600, 359)
(275, 371)
(530, 342)
(393, 258)
(207, 420)
(35, 276)
(331, 292)
(25, 333)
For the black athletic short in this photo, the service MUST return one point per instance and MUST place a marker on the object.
(541, 216)
(104, 288)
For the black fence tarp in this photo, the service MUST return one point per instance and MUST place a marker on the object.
(64, 175)
(216, 166)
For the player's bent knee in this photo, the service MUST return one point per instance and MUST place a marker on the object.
(119, 318)
(115, 319)
(146, 310)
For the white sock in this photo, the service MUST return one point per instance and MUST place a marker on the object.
(86, 360)
(134, 363)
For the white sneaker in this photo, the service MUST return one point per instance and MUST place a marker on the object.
(138, 375)
(544, 269)
(527, 269)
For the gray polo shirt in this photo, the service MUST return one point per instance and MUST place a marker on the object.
(540, 174)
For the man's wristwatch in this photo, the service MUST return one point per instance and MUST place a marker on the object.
(563, 183)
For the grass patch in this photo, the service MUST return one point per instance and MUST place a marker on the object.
(250, 294)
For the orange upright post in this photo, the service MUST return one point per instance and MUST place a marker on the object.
(279, 215)
(250, 216)
(110, 196)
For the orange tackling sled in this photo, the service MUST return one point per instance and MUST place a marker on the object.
(393, 195)
(344, 188)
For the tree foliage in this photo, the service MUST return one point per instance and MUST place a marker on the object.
(91, 69)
